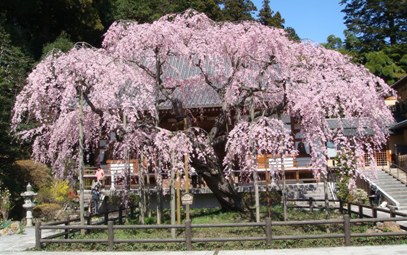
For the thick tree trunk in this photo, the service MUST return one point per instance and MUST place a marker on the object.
(212, 173)
(224, 192)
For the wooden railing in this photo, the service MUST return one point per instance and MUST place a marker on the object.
(71, 224)
(400, 168)
(268, 226)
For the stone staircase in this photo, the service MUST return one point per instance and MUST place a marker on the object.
(393, 187)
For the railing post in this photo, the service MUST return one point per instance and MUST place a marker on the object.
(392, 212)
(311, 204)
(110, 235)
(66, 236)
(188, 234)
(346, 229)
(374, 212)
(341, 206)
(38, 235)
(106, 216)
(349, 209)
(360, 211)
(131, 212)
(89, 222)
(120, 215)
(268, 231)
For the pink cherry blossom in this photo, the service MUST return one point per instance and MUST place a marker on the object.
(246, 64)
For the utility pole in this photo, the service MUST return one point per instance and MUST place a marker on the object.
(81, 188)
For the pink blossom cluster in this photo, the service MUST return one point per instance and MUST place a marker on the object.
(263, 136)
(142, 65)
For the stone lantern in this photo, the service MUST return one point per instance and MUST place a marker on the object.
(28, 204)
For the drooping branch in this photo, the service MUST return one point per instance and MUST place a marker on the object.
(89, 102)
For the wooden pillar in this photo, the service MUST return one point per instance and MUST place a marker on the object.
(178, 187)
(268, 231)
(186, 184)
(346, 229)
(188, 234)
(38, 235)
(67, 221)
(110, 235)
(172, 186)
(284, 190)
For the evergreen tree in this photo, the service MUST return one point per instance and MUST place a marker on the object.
(236, 10)
(376, 23)
(382, 65)
(333, 43)
(34, 23)
(210, 7)
(149, 11)
(292, 34)
(62, 43)
(14, 65)
(376, 35)
(140, 10)
(266, 16)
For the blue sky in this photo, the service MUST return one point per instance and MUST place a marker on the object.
(312, 19)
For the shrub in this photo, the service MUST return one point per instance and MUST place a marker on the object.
(46, 211)
(359, 196)
(60, 190)
(5, 203)
(57, 192)
(39, 174)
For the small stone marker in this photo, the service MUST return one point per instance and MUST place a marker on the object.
(187, 199)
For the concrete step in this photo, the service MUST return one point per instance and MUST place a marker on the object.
(401, 200)
(400, 197)
(387, 178)
(402, 194)
(393, 187)
(389, 186)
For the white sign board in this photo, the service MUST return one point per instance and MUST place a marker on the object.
(187, 199)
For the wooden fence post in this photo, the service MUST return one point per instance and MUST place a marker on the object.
(349, 209)
(311, 204)
(392, 212)
(374, 212)
(66, 236)
(360, 211)
(89, 222)
(188, 234)
(106, 216)
(346, 229)
(110, 235)
(268, 231)
(89, 219)
(341, 206)
(38, 235)
(120, 215)
(131, 212)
